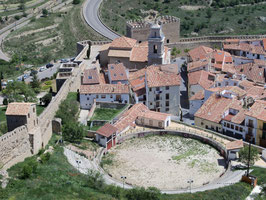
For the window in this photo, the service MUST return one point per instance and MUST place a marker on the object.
(232, 126)
(97, 96)
(219, 84)
(154, 48)
(167, 87)
(157, 89)
(88, 99)
(29, 115)
(236, 128)
(150, 103)
(234, 84)
(103, 96)
(167, 41)
(111, 96)
(34, 110)
(150, 89)
(167, 103)
(241, 129)
(167, 96)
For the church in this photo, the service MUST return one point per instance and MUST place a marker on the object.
(136, 55)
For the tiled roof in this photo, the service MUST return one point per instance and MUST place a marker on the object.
(154, 115)
(199, 53)
(198, 96)
(157, 78)
(123, 42)
(91, 76)
(214, 108)
(18, 108)
(264, 43)
(139, 54)
(245, 47)
(197, 64)
(137, 74)
(119, 53)
(200, 78)
(104, 89)
(252, 71)
(107, 130)
(256, 92)
(170, 68)
(238, 144)
(128, 118)
(229, 68)
(258, 110)
(117, 72)
(246, 84)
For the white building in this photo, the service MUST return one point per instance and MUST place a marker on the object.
(162, 89)
(106, 136)
(103, 93)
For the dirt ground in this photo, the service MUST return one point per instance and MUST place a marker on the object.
(166, 162)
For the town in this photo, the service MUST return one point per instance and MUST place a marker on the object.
(133, 113)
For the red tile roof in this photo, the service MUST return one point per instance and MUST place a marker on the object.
(123, 42)
(139, 53)
(104, 89)
(91, 76)
(264, 43)
(129, 117)
(238, 144)
(246, 84)
(197, 64)
(201, 78)
(154, 115)
(157, 78)
(252, 71)
(245, 47)
(198, 96)
(258, 110)
(107, 130)
(199, 53)
(137, 74)
(117, 72)
(18, 108)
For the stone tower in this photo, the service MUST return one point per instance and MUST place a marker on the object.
(156, 53)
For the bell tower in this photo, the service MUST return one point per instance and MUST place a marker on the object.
(156, 45)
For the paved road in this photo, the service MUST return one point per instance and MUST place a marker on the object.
(90, 13)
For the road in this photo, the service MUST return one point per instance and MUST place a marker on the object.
(90, 13)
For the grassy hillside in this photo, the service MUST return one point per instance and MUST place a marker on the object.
(196, 16)
(52, 37)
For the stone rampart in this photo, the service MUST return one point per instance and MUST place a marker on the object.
(14, 147)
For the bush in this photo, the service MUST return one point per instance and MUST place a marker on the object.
(26, 171)
(95, 179)
(46, 99)
(142, 194)
(44, 12)
(17, 17)
(5, 101)
(45, 157)
(75, 2)
(41, 151)
(73, 132)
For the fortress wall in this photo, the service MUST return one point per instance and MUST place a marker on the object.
(14, 147)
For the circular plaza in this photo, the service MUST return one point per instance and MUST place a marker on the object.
(167, 162)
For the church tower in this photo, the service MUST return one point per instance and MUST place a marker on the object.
(156, 45)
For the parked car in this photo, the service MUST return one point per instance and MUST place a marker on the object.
(49, 65)
(42, 69)
(64, 60)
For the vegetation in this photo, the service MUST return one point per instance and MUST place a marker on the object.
(57, 179)
(3, 125)
(105, 113)
(244, 152)
(37, 44)
(205, 20)
(46, 99)
(73, 132)
(39, 109)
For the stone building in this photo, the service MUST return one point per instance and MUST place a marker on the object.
(140, 29)
(18, 114)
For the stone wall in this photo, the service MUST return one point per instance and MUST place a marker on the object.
(14, 147)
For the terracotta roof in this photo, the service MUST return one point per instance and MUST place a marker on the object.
(170, 68)
(107, 130)
(245, 47)
(154, 115)
(252, 71)
(157, 78)
(119, 53)
(260, 62)
(235, 89)
(214, 108)
(129, 117)
(18, 108)
(139, 54)
(123, 42)
(264, 43)
(197, 64)
(201, 78)
(199, 53)
(137, 74)
(238, 144)
(258, 110)
(198, 96)
(246, 84)
(91, 76)
(104, 89)
(117, 72)
(256, 91)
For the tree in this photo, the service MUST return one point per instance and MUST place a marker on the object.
(35, 84)
(5, 102)
(44, 12)
(89, 50)
(46, 99)
(243, 155)
(208, 13)
(26, 171)
(73, 132)
(75, 2)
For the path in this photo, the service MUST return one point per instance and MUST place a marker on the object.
(91, 15)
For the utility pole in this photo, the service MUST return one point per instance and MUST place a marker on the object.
(124, 178)
(190, 182)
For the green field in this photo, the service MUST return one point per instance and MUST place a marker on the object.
(105, 113)
(204, 21)
(36, 44)
(57, 179)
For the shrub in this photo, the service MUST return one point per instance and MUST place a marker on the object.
(41, 151)
(46, 99)
(26, 171)
(95, 179)
(5, 101)
(44, 12)
(75, 2)
(17, 17)
(45, 157)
